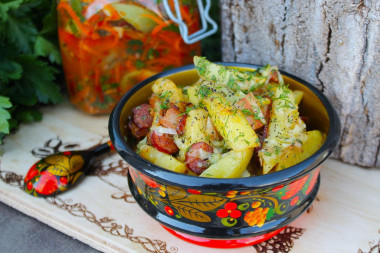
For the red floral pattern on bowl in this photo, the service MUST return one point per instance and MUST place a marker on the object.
(225, 209)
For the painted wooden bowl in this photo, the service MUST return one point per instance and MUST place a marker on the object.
(224, 212)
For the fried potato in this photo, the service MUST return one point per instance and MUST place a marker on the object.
(294, 155)
(164, 87)
(231, 165)
(161, 159)
(231, 123)
(285, 129)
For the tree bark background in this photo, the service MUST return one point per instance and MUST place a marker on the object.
(334, 45)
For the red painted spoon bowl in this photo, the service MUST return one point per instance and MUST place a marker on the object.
(59, 172)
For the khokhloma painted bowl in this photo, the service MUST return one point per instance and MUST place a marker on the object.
(224, 213)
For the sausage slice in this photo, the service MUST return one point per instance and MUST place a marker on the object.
(197, 158)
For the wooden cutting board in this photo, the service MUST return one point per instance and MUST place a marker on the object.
(101, 212)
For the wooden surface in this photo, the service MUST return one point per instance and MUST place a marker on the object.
(101, 212)
(334, 45)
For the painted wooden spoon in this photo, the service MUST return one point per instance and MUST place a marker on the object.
(59, 172)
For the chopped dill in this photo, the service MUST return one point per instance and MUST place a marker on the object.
(204, 91)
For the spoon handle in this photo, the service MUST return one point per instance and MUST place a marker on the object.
(103, 148)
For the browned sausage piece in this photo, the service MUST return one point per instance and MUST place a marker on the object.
(262, 137)
(162, 142)
(197, 158)
(274, 76)
(137, 132)
(171, 118)
(252, 111)
(141, 116)
(181, 125)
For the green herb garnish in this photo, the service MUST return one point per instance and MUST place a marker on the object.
(29, 56)
(204, 91)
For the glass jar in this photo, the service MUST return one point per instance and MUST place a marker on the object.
(108, 46)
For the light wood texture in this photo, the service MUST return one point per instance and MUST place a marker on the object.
(334, 45)
(101, 212)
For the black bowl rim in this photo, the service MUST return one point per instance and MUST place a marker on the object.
(219, 184)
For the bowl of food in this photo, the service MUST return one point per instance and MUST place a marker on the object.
(227, 154)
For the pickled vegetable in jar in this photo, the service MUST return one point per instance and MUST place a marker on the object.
(108, 46)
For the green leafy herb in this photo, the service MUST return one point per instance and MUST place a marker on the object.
(231, 83)
(277, 150)
(204, 91)
(165, 104)
(29, 61)
(247, 112)
(166, 94)
(202, 105)
(284, 97)
(4, 114)
(189, 108)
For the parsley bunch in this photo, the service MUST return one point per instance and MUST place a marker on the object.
(29, 61)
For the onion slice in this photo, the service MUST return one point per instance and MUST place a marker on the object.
(163, 130)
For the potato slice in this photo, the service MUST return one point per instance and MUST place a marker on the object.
(232, 165)
(192, 92)
(195, 126)
(161, 159)
(294, 155)
(196, 123)
(298, 94)
(229, 77)
(231, 123)
(285, 129)
(205, 89)
(166, 88)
